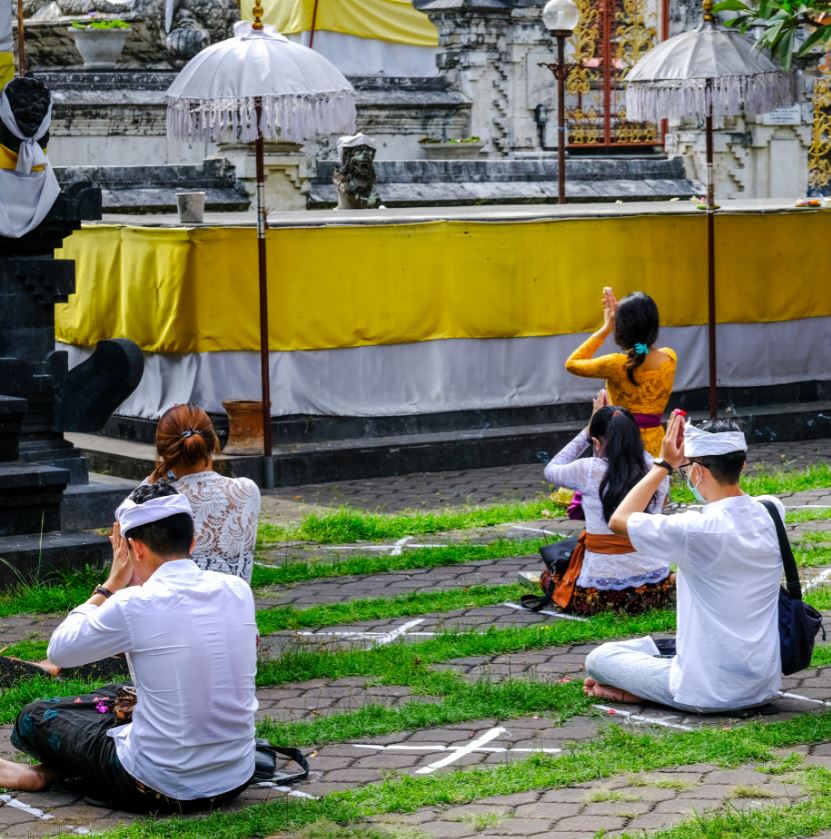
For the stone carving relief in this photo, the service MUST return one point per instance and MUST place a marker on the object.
(174, 30)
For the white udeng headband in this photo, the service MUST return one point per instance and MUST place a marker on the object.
(130, 515)
(698, 443)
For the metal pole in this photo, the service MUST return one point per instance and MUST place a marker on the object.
(21, 41)
(268, 463)
(561, 117)
(711, 262)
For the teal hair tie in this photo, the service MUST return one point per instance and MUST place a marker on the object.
(641, 349)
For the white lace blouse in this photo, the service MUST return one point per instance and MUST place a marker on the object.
(225, 513)
(604, 571)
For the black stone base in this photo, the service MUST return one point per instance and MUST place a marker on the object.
(93, 505)
(373, 457)
(36, 557)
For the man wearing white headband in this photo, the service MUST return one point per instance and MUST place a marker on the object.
(190, 640)
(729, 568)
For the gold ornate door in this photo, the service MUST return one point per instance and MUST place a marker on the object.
(819, 154)
(611, 36)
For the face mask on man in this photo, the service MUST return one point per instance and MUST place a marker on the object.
(694, 488)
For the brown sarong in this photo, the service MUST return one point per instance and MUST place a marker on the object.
(607, 543)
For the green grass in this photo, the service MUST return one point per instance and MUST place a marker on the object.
(617, 751)
(299, 572)
(807, 818)
(464, 702)
(348, 525)
(404, 664)
(382, 608)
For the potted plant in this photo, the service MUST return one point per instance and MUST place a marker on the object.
(464, 148)
(99, 40)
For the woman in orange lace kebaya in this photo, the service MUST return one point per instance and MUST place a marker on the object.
(639, 378)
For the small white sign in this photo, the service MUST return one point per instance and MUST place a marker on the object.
(792, 115)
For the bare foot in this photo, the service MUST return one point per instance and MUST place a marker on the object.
(26, 777)
(45, 665)
(591, 687)
(51, 669)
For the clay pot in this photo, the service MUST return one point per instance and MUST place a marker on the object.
(245, 427)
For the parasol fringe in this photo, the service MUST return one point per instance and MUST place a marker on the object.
(292, 118)
(729, 96)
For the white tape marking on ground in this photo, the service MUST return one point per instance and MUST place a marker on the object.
(394, 550)
(817, 581)
(290, 791)
(399, 632)
(456, 754)
(26, 808)
(807, 506)
(787, 695)
(378, 638)
(644, 718)
(406, 747)
(548, 612)
(398, 548)
(536, 530)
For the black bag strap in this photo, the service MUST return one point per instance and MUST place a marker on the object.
(792, 586)
(269, 751)
(536, 602)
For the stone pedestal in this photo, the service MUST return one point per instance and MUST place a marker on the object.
(31, 540)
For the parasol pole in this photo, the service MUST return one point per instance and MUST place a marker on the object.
(314, 26)
(259, 154)
(21, 41)
(711, 235)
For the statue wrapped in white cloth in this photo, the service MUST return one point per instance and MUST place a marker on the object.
(28, 187)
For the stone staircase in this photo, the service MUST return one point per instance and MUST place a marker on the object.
(317, 449)
(412, 183)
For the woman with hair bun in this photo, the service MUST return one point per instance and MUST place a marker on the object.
(640, 378)
(225, 510)
(605, 571)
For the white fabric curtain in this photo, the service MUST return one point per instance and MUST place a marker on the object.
(464, 374)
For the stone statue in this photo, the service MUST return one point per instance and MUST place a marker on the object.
(29, 100)
(355, 176)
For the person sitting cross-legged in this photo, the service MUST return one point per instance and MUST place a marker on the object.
(729, 570)
(190, 639)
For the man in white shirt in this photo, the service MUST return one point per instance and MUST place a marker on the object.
(190, 640)
(729, 570)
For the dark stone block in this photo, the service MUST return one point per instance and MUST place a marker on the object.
(91, 505)
(36, 557)
(89, 393)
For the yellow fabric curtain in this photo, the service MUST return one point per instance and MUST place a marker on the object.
(6, 43)
(186, 290)
(383, 20)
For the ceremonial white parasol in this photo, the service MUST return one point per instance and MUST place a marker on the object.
(710, 71)
(254, 87)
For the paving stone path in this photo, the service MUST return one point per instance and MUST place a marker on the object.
(631, 802)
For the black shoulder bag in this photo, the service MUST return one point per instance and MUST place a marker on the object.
(799, 623)
(556, 556)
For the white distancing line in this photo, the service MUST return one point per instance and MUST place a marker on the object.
(456, 754)
(536, 530)
(400, 631)
(291, 792)
(643, 718)
(406, 747)
(26, 808)
(377, 638)
(817, 581)
(548, 612)
(787, 695)
(393, 550)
